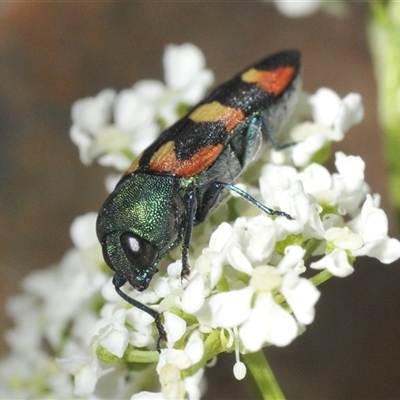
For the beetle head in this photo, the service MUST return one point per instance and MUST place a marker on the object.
(138, 224)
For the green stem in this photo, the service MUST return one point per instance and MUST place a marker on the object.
(213, 345)
(263, 376)
(321, 277)
(311, 246)
(384, 39)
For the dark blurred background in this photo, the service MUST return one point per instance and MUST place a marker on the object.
(52, 54)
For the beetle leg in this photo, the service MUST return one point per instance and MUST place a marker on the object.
(252, 142)
(272, 137)
(191, 206)
(252, 200)
(208, 201)
(119, 281)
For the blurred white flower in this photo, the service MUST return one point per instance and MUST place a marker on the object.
(297, 8)
(148, 396)
(333, 117)
(372, 226)
(186, 79)
(328, 109)
(86, 371)
(305, 8)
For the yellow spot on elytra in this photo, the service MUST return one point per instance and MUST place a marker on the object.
(164, 157)
(134, 165)
(217, 112)
(274, 81)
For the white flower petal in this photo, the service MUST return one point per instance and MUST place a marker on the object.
(141, 338)
(193, 296)
(131, 111)
(220, 237)
(149, 90)
(238, 260)
(111, 139)
(83, 141)
(340, 114)
(325, 104)
(301, 296)
(386, 250)
(262, 238)
(182, 64)
(336, 263)
(194, 385)
(316, 180)
(175, 357)
(374, 225)
(137, 318)
(305, 150)
(274, 180)
(229, 309)
(349, 166)
(351, 112)
(343, 238)
(268, 323)
(349, 187)
(195, 347)
(116, 160)
(86, 371)
(148, 396)
(292, 260)
(196, 90)
(174, 326)
(171, 382)
(297, 8)
(296, 202)
(83, 231)
(265, 279)
(114, 336)
(92, 113)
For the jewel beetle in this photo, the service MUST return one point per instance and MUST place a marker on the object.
(178, 180)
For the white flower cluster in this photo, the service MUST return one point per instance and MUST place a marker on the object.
(247, 287)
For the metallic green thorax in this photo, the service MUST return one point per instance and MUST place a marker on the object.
(146, 205)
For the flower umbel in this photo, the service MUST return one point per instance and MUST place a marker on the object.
(247, 288)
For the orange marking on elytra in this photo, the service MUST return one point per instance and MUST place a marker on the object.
(164, 160)
(274, 81)
(217, 112)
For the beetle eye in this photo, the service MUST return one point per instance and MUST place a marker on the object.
(138, 251)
